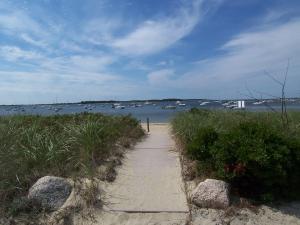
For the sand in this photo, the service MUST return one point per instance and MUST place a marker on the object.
(149, 188)
(264, 215)
(150, 178)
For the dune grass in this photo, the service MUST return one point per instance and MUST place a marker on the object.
(68, 145)
(254, 151)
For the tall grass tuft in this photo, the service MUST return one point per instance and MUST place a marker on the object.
(69, 145)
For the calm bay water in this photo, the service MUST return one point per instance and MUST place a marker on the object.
(155, 111)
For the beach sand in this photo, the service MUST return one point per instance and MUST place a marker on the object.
(149, 188)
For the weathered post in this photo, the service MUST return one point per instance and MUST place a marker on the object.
(148, 128)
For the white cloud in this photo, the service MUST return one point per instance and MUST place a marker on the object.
(14, 53)
(72, 47)
(165, 63)
(136, 65)
(244, 58)
(155, 35)
(69, 58)
(45, 86)
(18, 21)
(99, 31)
(254, 52)
(26, 37)
(160, 77)
(58, 75)
(77, 63)
(91, 63)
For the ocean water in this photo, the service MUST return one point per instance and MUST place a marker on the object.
(155, 111)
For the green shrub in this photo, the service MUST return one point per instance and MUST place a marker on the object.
(254, 154)
(253, 151)
(198, 147)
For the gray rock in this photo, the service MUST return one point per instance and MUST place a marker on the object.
(50, 192)
(211, 194)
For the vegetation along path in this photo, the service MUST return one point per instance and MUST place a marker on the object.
(149, 188)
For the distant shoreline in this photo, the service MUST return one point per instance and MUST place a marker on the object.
(147, 100)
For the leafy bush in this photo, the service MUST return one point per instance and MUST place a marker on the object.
(198, 148)
(259, 157)
(253, 155)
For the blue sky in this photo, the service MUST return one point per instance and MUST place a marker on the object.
(73, 50)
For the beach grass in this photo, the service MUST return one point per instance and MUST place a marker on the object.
(257, 152)
(61, 145)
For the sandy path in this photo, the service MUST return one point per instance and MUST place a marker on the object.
(149, 188)
(150, 179)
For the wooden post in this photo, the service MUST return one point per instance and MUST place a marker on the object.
(148, 128)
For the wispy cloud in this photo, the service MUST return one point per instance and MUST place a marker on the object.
(15, 21)
(39, 43)
(14, 53)
(100, 31)
(244, 58)
(112, 52)
(153, 36)
(31, 87)
(56, 53)
(159, 77)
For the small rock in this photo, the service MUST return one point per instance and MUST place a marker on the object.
(116, 161)
(50, 192)
(102, 171)
(111, 175)
(189, 170)
(211, 194)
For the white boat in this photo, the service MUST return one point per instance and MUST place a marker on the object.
(178, 102)
(241, 104)
(182, 104)
(259, 102)
(204, 103)
(120, 107)
(134, 105)
(115, 105)
(147, 103)
(57, 109)
(229, 103)
(236, 104)
(169, 107)
(232, 105)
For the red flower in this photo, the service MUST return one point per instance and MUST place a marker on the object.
(239, 169)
